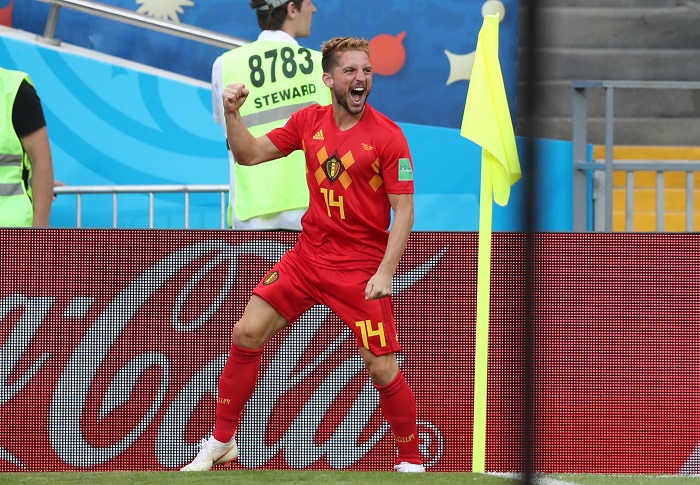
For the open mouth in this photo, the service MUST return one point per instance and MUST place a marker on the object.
(357, 94)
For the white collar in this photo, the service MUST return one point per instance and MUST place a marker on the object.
(277, 36)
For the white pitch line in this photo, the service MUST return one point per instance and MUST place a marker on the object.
(539, 480)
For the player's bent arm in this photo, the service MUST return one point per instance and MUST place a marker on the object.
(259, 150)
(38, 150)
(402, 205)
(246, 149)
(379, 285)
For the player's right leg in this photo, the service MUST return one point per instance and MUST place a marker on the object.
(212, 452)
(259, 323)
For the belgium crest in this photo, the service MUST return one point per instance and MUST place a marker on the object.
(333, 169)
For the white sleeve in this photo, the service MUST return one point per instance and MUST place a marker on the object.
(217, 91)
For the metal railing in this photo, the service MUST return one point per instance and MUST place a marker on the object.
(582, 166)
(134, 18)
(660, 168)
(151, 190)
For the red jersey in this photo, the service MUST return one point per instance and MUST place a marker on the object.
(349, 174)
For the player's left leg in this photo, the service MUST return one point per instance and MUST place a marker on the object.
(398, 405)
(372, 322)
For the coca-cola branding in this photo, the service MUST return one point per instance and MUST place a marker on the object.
(113, 342)
(103, 373)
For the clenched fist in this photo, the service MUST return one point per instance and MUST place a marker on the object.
(234, 96)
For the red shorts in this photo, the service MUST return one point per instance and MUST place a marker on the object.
(294, 285)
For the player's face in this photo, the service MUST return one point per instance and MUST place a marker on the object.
(352, 81)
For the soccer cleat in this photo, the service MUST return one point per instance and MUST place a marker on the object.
(406, 467)
(212, 452)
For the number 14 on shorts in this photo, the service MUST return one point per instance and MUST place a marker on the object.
(369, 331)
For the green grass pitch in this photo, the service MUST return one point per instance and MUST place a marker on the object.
(267, 477)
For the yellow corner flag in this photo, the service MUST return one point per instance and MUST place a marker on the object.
(487, 123)
(486, 119)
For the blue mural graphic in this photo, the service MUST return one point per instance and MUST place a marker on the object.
(420, 49)
(115, 125)
(113, 122)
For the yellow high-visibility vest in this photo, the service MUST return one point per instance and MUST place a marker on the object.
(282, 78)
(16, 208)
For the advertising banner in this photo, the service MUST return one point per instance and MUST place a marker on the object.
(112, 343)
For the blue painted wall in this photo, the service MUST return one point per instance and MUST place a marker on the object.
(116, 124)
(428, 88)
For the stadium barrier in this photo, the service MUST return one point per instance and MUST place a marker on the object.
(658, 199)
(594, 177)
(115, 191)
(112, 342)
(130, 17)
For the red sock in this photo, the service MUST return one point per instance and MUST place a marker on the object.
(236, 386)
(398, 404)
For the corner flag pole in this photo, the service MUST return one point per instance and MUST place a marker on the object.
(487, 123)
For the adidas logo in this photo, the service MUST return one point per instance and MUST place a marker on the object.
(367, 147)
(319, 135)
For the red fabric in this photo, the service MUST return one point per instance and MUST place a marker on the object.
(236, 386)
(294, 285)
(349, 174)
(398, 404)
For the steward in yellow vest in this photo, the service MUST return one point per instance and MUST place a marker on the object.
(25, 156)
(282, 78)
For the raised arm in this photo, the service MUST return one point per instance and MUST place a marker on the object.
(379, 285)
(246, 149)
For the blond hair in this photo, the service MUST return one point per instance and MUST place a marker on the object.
(333, 48)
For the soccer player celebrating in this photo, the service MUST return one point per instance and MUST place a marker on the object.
(359, 168)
